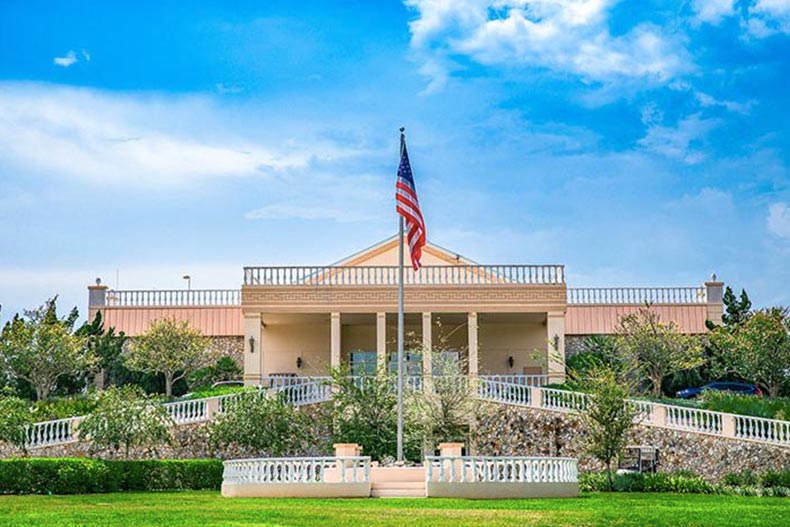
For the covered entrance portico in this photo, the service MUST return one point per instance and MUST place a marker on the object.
(516, 345)
(494, 319)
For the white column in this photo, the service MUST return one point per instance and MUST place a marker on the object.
(427, 348)
(253, 350)
(555, 349)
(334, 346)
(381, 341)
(473, 350)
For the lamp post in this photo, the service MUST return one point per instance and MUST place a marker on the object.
(189, 281)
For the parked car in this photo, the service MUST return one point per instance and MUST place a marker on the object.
(741, 388)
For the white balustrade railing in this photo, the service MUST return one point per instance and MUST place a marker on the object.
(503, 392)
(562, 400)
(693, 419)
(189, 411)
(173, 297)
(297, 470)
(309, 390)
(764, 430)
(518, 378)
(388, 275)
(496, 469)
(300, 390)
(49, 433)
(637, 295)
(645, 411)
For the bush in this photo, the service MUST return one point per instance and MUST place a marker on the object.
(746, 483)
(768, 479)
(225, 369)
(266, 425)
(124, 418)
(680, 482)
(15, 416)
(63, 407)
(86, 476)
(769, 408)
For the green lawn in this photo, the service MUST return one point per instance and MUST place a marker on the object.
(208, 509)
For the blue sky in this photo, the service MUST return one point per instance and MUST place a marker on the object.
(639, 143)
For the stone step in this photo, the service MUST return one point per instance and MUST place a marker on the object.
(398, 489)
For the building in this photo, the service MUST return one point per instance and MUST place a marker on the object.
(497, 320)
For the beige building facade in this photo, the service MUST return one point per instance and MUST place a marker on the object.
(492, 320)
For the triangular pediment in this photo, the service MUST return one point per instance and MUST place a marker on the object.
(386, 253)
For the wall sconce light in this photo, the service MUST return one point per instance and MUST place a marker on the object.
(298, 363)
(556, 342)
(252, 344)
(511, 361)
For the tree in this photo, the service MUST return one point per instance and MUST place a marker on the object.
(126, 417)
(40, 348)
(15, 417)
(658, 349)
(267, 425)
(757, 350)
(107, 347)
(172, 348)
(736, 309)
(449, 410)
(364, 411)
(607, 417)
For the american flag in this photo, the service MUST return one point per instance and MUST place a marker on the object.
(408, 206)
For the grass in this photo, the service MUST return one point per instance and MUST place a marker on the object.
(209, 509)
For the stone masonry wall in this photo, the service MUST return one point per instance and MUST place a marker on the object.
(188, 441)
(510, 430)
(506, 430)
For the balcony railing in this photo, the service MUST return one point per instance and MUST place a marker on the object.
(637, 295)
(174, 297)
(388, 275)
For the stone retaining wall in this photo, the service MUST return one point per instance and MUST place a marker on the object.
(511, 431)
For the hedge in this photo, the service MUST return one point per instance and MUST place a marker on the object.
(770, 483)
(87, 476)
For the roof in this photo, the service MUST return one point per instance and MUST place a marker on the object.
(603, 319)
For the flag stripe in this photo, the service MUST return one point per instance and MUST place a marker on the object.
(408, 206)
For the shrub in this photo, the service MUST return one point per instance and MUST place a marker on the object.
(769, 408)
(63, 407)
(225, 369)
(746, 483)
(125, 418)
(15, 416)
(681, 482)
(85, 476)
(267, 425)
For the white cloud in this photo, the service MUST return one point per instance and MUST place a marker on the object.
(683, 141)
(137, 140)
(567, 36)
(712, 11)
(68, 60)
(71, 58)
(706, 100)
(228, 89)
(779, 219)
(757, 18)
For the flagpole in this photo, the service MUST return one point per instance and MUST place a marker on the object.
(400, 326)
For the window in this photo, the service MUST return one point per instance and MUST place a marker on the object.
(363, 362)
(412, 363)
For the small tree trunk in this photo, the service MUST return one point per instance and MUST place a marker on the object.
(168, 384)
(42, 392)
(609, 478)
(657, 386)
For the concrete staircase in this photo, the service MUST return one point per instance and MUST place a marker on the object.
(402, 482)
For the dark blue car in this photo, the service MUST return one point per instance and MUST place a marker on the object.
(741, 388)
